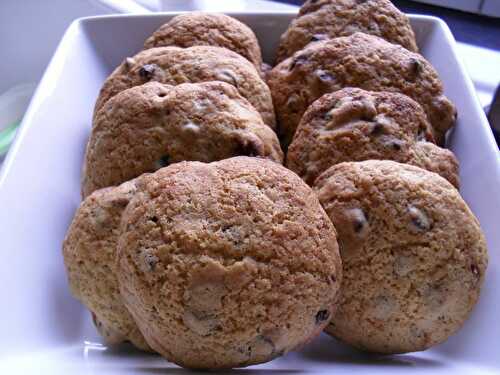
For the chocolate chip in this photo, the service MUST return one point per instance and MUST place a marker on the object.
(324, 76)
(377, 129)
(422, 135)
(163, 161)
(249, 147)
(415, 67)
(358, 225)
(226, 228)
(227, 76)
(321, 316)
(419, 219)
(120, 202)
(359, 221)
(325, 115)
(367, 116)
(475, 270)
(293, 103)
(318, 37)
(154, 219)
(297, 61)
(151, 261)
(96, 321)
(147, 71)
(397, 145)
(333, 278)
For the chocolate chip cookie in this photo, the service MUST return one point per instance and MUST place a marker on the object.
(175, 65)
(359, 60)
(89, 256)
(150, 126)
(326, 19)
(414, 257)
(227, 264)
(208, 29)
(354, 125)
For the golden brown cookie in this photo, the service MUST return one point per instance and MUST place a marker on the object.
(359, 60)
(414, 256)
(208, 29)
(147, 127)
(326, 19)
(175, 65)
(89, 251)
(227, 264)
(355, 125)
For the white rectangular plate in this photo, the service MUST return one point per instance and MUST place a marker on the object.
(45, 330)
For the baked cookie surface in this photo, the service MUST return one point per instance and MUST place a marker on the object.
(148, 127)
(355, 125)
(414, 256)
(227, 264)
(208, 29)
(89, 251)
(362, 61)
(175, 65)
(318, 20)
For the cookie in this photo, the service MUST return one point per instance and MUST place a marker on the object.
(89, 251)
(359, 60)
(355, 125)
(175, 65)
(414, 256)
(208, 29)
(147, 127)
(265, 69)
(227, 264)
(326, 19)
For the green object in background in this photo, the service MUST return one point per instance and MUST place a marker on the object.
(6, 137)
(13, 105)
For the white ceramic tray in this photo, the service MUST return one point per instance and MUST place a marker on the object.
(44, 330)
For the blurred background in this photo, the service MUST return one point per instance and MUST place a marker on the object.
(31, 29)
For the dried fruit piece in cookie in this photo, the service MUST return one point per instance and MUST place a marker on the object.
(413, 275)
(175, 65)
(148, 127)
(246, 262)
(359, 60)
(208, 29)
(89, 251)
(326, 19)
(355, 125)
